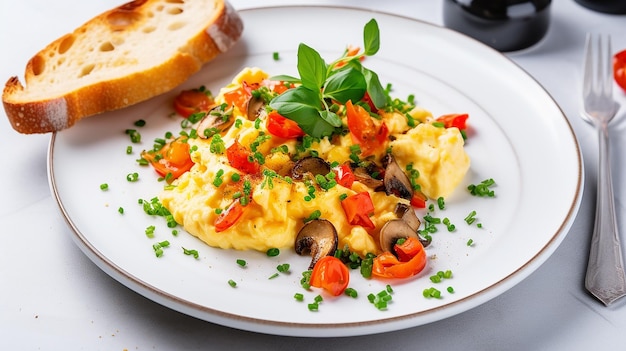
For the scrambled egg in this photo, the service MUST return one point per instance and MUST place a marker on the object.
(279, 205)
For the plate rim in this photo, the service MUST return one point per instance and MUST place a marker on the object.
(342, 328)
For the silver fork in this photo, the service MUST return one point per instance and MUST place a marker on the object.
(605, 277)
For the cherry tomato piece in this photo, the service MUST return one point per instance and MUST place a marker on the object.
(418, 200)
(344, 176)
(283, 127)
(358, 208)
(619, 69)
(387, 265)
(363, 129)
(330, 274)
(192, 101)
(239, 157)
(457, 120)
(229, 216)
(173, 158)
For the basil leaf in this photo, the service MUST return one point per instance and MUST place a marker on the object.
(347, 84)
(374, 88)
(311, 67)
(331, 118)
(371, 38)
(285, 78)
(303, 106)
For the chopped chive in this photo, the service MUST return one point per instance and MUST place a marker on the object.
(298, 296)
(104, 186)
(273, 276)
(351, 292)
(120, 210)
(273, 252)
(132, 177)
(232, 283)
(129, 150)
(241, 262)
(193, 253)
(470, 242)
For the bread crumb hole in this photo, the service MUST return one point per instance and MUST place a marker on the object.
(107, 46)
(60, 61)
(175, 11)
(176, 25)
(39, 65)
(120, 20)
(159, 8)
(87, 70)
(149, 29)
(66, 44)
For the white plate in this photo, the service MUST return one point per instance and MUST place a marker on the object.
(519, 137)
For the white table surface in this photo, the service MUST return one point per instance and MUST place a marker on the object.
(53, 297)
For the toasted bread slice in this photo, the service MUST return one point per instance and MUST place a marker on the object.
(120, 57)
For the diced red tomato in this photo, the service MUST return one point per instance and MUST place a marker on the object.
(344, 175)
(358, 208)
(283, 127)
(330, 274)
(364, 130)
(412, 261)
(457, 120)
(173, 158)
(239, 97)
(229, 216)
(619, 69)
(191, 101)
(239, 158)
(278, 87)
(418, 200)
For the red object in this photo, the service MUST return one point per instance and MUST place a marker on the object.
(330, 274)
(229, 216)
(239, 97)
(418, 200)
(358, 208)
(363, 129)
(283, 127)
(239, 158)
(192, 101)
(345, 177)
(457, 120)
(619, 69)
(410, 261)
(172, 158)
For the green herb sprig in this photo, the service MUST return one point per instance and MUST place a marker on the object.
(309, 104)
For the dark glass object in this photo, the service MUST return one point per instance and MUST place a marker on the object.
(606, 6)
(505, 25)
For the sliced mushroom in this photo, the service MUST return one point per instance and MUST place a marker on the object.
(407, 214)
(319, 238)
(362, 175)
(395, 180)
(256, 108)
(394, 230)
(217, 120)
(311, 165)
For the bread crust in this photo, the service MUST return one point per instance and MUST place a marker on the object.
(54, 112)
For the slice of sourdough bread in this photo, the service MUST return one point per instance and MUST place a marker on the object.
(120, 57)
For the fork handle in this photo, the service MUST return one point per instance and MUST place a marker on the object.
(605, 270)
